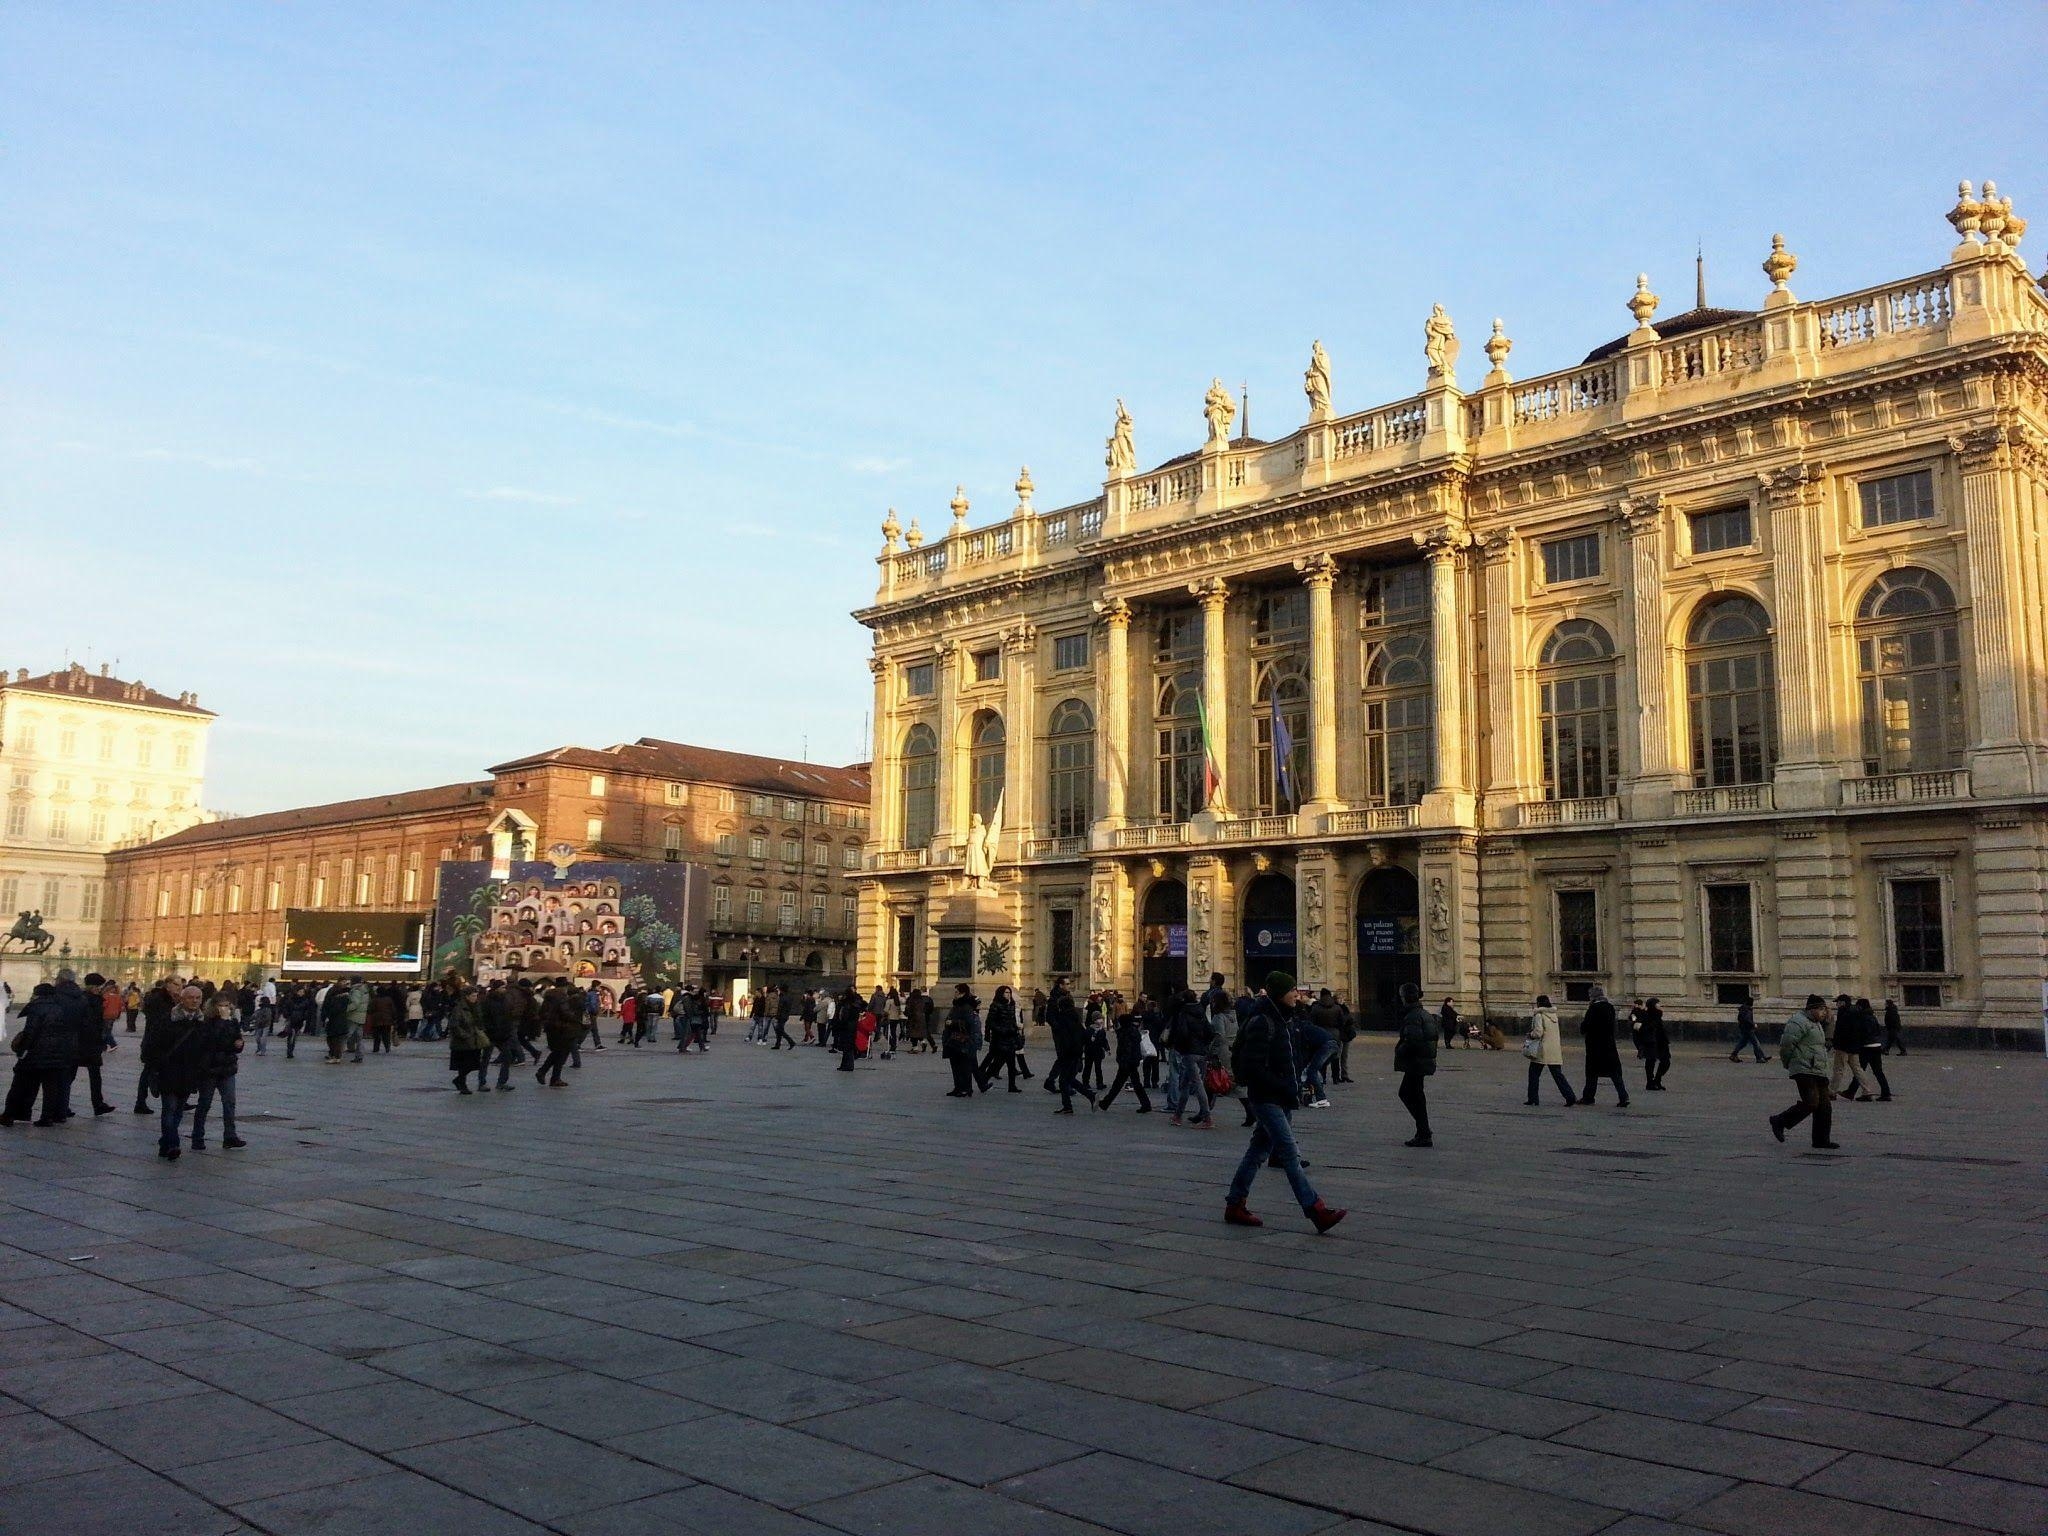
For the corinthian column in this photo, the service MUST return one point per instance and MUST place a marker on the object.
(1113, 713)
(1504, 705)
(1319, 574)
(1214, 595)
(1441, 548)
(1646, 681)
(948, 825)
(1998, 761)
(886, 774)
(1020, 734)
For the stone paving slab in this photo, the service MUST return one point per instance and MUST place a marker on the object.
(746, 1294)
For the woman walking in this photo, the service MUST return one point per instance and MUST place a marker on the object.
(468, 1041)
(1654, 1041)
(956, 1043)
(1415, 1060)
(1544, 1046)
(1005, 1039)
(1130, 1057)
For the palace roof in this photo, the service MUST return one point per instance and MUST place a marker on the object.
(75, 681)
(657, 758)
(338, 813)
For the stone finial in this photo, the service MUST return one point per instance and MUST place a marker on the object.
(1991, 217)
(1967, 216)
(915, 537)
(959, 506)
(1024, 490)
(1778, 266)
(1497, 348)
(892, 532)
(1643, 304)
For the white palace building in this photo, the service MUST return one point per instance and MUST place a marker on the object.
(1714, 665)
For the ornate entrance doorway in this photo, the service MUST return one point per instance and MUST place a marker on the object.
(1389, 944)
(1269, 933)
(1163, 939)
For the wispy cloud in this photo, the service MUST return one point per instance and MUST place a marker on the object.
(521, 495)
(623, 422)
(222, 463)
(874, 464)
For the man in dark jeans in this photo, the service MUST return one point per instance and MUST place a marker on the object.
(1894, 1030)
(1415, 1060)
(1262, 1059)
(1803, 1048)
(1745, 1030)
(1069, 1044)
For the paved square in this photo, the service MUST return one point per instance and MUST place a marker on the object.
(745, 1293)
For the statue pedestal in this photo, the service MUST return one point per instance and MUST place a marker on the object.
(976, 929)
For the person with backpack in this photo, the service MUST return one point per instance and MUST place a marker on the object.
(1262, 1058)
(46, 1054)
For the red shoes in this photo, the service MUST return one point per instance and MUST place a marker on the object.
(1324, 1217)
(1236, 1214)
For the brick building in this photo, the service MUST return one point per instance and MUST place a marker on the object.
(782, 840)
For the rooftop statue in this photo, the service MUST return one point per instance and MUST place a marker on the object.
(1316, 383)
(1221, 411)
(1122, 457)
(1440, 344)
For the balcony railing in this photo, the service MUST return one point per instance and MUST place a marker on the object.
(1253, 829)
(1724, 799)
(1054, 847)
(1170, 834)
(1570, 813)
(1377, 818)
(899, 858)
(1903, 788)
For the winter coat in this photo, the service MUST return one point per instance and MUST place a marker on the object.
(1597, 1027)
(380, 1014)
(495, 1014)
(48, 1038)
(1415, 1047)
(1803, 1047)
(84, 1010)
(465, 1030)
(1651, 1035)
(358, 1006)
(1549, 1037)
(217, 1049)
(1068, 1037)
(561, 1015)
(171, 1049)
(954, 1039)
(1130, 1029)
(1004, 1033)
(1190, 1033)
(1263, 1058)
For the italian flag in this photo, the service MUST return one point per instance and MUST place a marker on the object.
(1212, 765)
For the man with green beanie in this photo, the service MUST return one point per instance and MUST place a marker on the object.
(1263, 1061)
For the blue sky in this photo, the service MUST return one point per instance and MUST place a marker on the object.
(427, 385)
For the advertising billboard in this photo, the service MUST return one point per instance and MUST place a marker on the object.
(354, 943)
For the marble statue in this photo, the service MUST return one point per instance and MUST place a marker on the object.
(1221, 411)
(977, 862)
(1316, 383)
(1122, 456)
(1440, 343)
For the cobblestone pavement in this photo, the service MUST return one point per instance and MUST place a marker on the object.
(747, 1294)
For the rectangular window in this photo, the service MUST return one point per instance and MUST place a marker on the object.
(849, 911)
(1921, 995)
(753, 906)
(757, 847)
(67, 743)
(1062, 940)
(235, 897)
(53, 897)
(1919, 945)
(106, 746)
(1578, 931)
(818, 913)
(725, 800)
(89, 900)
(60, 823)
(1573, 559)
(676, 794)
(849, 858)
(1731, 934)
(792, 811)
(920, 680)
(593, 829)
(597, 786)
(672, 839)
(10, 892)
(1721, 528)
(17, 820)
(906, 943)
(727, 844)
(1905, 498)
(181, 755)
(721, 904)
(988, 666)
(363, 887)
(163, 902)
(275, 895)
(145, 749)
(758, 805)
(198, 901)
(411, 890)
(821, 855)
(97, 827)
(1069, 653)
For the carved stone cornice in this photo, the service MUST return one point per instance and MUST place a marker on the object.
(1641, 513)
(1114, 612)
(1982, 449)
(1792, 482)
(1020, 638)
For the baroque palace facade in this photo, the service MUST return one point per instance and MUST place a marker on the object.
(781, 841)
(1716, 665)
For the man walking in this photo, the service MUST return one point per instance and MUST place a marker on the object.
(1602, 1058)
(358, 1016)
(1803, 1048)
(1745, 1029)
(216, 1054)
(1415, 1060)
(1263, 1060)
(171, 1048)
(1069, 1043)
(1187, 1049)
(1894, 1030)
(785, 1005)
(497, 1022)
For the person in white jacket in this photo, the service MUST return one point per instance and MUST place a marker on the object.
(1544, 1046)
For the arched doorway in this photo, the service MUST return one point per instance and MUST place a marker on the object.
(1163, 939)
(1389, 943)
(1268, 940)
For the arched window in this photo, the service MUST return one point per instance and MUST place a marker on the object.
(1178, 761)
(1730, 691)
(985, 764)
(1397, 717)
(920, 785)
(1070, 769)
(1282, 690)
(1576, 713)
(1909, 662)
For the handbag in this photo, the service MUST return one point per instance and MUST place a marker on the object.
(1217, 1080)
(1532, 1044)
(1147, 1051)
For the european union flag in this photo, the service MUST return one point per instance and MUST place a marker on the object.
(1283, 759)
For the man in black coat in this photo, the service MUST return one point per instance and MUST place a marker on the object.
(217, 1055)
(1069, 1045)
(46, 1054)
(157, 1004)
(92, 1040)
(1602, 1058)
(1262, 1059)
(172, 1050)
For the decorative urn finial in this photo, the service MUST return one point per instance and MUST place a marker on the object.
(1966, 214)
(892, 532)
(1024, 490)
(959, 506)
(1643, 304)
(915, 537)
(1497, 348)
(1991, 217)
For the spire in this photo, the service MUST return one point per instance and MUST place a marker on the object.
(1244, 420)
(1699, 277)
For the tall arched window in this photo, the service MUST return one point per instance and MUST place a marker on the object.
(1398, 715)
(920, 785)
(1282, 686)
(1177, 720)
(1730, 691)
(1576, 714)
(1909, 661)
(985, 763)
(1070, 769)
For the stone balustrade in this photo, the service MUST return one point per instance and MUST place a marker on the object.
(1907, 788)
(1724, 800)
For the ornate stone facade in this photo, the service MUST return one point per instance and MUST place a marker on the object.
(1716, 664)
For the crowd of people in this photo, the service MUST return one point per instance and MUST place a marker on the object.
(1273, 1051)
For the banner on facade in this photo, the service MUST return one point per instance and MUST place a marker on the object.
(1268, 941)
